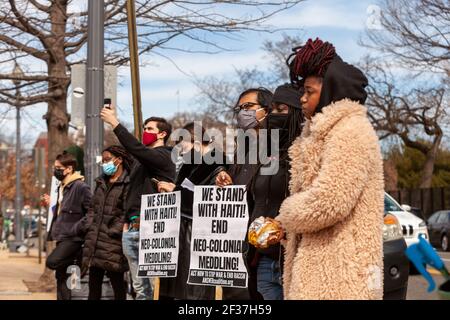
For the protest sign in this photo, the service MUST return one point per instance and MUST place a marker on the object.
(53, 199)
(159, 235)
(219, 227)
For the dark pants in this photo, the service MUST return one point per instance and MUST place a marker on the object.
(65, 254)
(96, 281)
(269, 279)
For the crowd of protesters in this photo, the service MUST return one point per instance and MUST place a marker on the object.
(326, 192)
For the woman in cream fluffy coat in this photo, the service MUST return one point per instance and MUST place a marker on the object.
(333, 217)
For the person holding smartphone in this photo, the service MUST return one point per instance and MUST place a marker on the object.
(107, 103)
(153, 161)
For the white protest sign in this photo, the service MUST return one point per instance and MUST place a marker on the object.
(53, 199)
(219, 227)
(159, 235)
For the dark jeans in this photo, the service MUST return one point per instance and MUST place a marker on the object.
(269, 279)
(96, 281)
(65, 254)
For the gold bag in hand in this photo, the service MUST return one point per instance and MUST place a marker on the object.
(264, 232)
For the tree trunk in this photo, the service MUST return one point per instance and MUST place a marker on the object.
(56, 117)
(428, 168)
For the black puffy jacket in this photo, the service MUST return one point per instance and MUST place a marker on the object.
(103, 244)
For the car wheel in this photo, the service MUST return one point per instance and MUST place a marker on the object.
(444, 243)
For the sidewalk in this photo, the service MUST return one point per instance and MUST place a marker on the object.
(14, 269)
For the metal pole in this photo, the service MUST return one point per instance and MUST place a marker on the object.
(39, 235)
(94, 89)
(18, 222)
(134, 66)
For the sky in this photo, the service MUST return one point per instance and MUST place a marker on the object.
(339, 22)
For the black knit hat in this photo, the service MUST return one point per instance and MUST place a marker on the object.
(288, 95)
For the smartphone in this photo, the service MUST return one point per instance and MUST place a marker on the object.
(107, 103)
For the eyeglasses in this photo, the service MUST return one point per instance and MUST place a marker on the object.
(245, 106)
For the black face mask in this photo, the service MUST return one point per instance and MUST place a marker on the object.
(59, 174)
(277, 120)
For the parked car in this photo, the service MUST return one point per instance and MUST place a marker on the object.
(414, 210)
(439, 229)
(412, 226)
(396, 264)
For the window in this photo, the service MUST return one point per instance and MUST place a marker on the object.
(434, 217)
(443, 218)
(390, 205)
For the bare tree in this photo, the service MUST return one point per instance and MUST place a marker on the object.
(48, 37)
(28, 182)
(416, 116)
(415, 33)
(219, 95)
(390, 175)
(415, 37)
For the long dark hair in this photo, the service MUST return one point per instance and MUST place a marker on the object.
(119, 151)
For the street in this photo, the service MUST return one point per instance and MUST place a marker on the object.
(14, 268)
(417, 285)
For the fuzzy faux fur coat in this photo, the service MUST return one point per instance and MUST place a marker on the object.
(334, 215)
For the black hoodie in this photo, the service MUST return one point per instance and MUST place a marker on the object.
(342, 80)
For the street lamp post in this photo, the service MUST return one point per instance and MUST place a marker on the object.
(40, 227)
(94, 89)
(17, 73)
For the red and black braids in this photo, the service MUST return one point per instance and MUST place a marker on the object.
(310, 59)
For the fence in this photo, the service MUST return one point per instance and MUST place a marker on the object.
(427, 200)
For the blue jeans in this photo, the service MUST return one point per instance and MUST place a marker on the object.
(142, 286)
(269, 279)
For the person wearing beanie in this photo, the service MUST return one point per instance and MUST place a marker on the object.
(333, 216)
(269, 191)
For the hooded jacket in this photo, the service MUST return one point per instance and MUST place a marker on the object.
(68, 219)
(334, 215)
(342, 80)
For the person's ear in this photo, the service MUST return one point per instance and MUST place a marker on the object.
(264, 112)
(162, 134)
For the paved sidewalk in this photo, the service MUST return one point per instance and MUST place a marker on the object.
(14, 269)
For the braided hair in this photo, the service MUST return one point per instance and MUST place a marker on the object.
(119, 151)
(311, 59)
